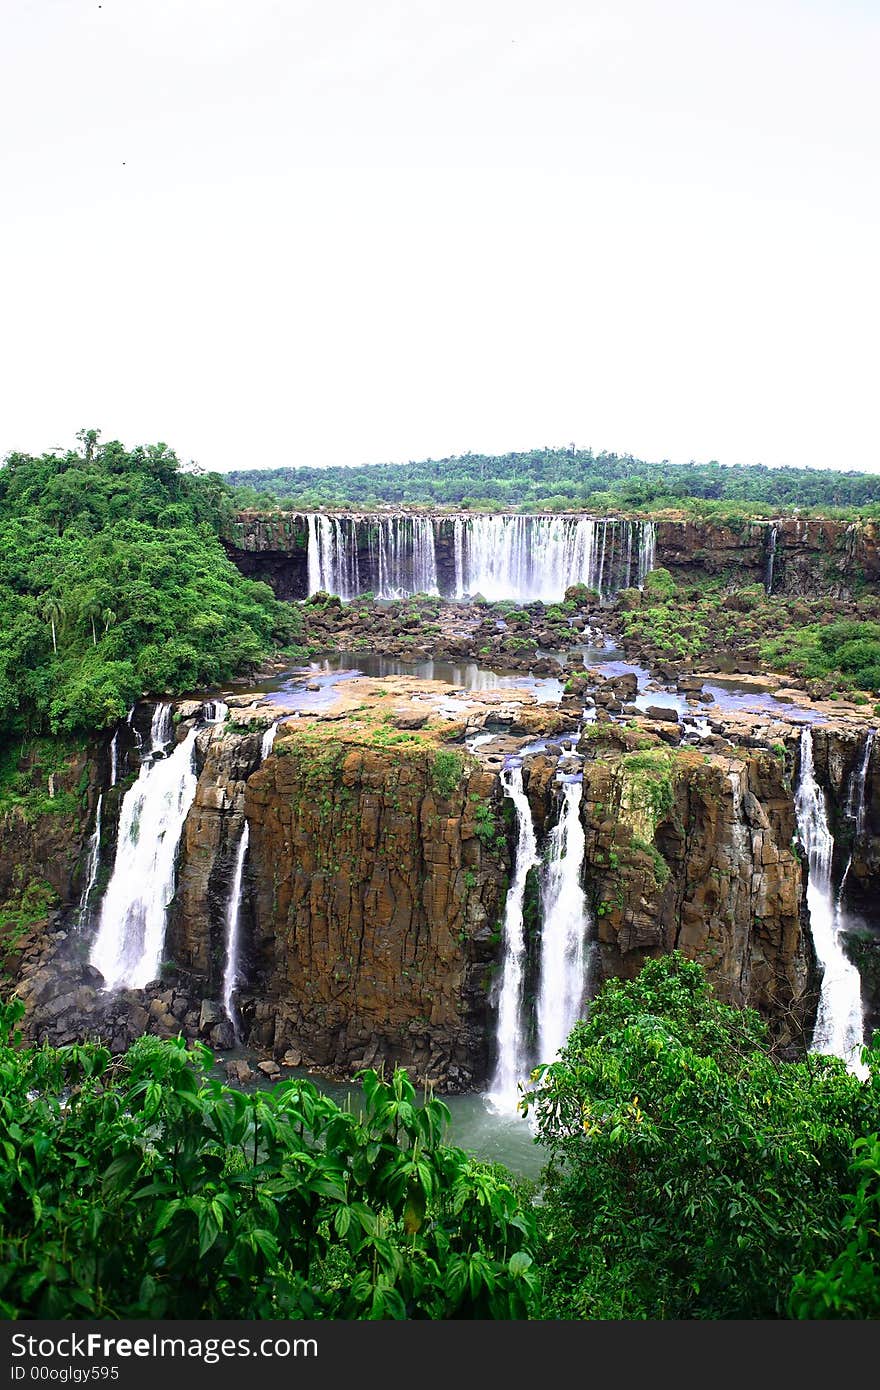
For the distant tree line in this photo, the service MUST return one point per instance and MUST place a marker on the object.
(554, 480)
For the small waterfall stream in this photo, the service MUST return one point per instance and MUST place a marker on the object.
(771, 558)
(131, 930)
(839, 1028)
(511, 1064)
(855, 808)
(93, 863)
(232, 966)
(231, 979)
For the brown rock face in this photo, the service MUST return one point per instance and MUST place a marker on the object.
(196, 924)
(811, 555)
(696, 855)
(378, 890)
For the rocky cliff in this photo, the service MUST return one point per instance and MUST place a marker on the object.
(806, 556)
(375, 906)
(694, 852)
(379, 857)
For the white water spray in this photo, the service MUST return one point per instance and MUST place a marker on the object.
(511, 1065)
(131, 931)
(564, 981)
(231, 979)
(523, 558)
(268, 741)
(855, 809)
(93, 860)
(839, 1026)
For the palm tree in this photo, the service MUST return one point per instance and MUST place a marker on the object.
(52, 611)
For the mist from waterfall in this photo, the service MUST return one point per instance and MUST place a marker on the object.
(839, 1026)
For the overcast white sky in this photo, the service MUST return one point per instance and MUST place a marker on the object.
(341, 231)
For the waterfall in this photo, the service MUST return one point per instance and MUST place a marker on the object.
(114, 758)
(233, 914)
(214, 711)
(93, 860)
(511, 1066)
(131, 931)
(161, 730)
(523, 558)
(771, 556)
(839, 1028)
(268, 740)
(565, 926)
(138, 742)
(647, 550)
(855, 808)
(333, 556)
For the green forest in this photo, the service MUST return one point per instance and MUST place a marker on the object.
(558, 480)
(114, 584)
(690, 1175)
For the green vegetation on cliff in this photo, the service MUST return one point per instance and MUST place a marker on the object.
(817, 638)
(557, 480)
(114, 583)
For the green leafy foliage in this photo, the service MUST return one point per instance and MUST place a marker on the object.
(846, 650)
(140, 1187)
(849, 1287)
(114, 583)
(692, 1175)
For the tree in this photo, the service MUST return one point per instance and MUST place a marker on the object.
(691, 1175)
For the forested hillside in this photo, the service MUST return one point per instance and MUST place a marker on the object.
(113, 583)
(555, 480)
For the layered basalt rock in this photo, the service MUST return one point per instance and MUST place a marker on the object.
(695, 852)
(375, 910)
(809, 556)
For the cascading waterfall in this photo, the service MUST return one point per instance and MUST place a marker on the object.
(771, 557)
(131, 931)
(333, 556)
(138, 741)
(268, 740)
(93, 856)
(647, 551)
(231, 970)
(565, 928)
(231, 979)
(522, 558)
(511, 1065)
(93, 860)
(839, 1026)
(161, 730)
(529, 558)
(215, 711)
(855, 809)
(403, 556)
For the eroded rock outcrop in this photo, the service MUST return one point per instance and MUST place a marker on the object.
(378, 878)
(695, 852)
